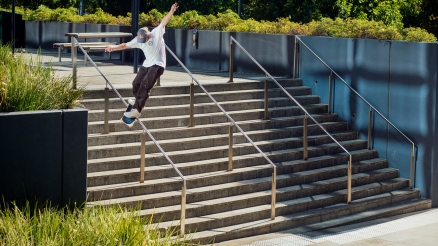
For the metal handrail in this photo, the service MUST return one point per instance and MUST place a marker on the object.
(302, 108)
(183, 191)
(235, 124)
(411, 181)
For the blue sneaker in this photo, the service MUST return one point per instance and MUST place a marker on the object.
(128, 121)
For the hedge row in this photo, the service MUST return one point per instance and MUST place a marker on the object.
(230, 21)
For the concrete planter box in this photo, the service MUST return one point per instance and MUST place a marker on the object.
(44, 156)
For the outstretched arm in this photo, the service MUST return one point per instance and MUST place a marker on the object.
(111, 48)
(169, 15)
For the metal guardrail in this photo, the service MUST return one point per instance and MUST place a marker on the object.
(372, 108)
(233, 123)
(306, 114)
(143, 138)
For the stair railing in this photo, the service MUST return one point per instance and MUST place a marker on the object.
(143, 140)
(370, 114)
(306, 114)
(230, 140)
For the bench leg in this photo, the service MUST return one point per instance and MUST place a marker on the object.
(59, 53)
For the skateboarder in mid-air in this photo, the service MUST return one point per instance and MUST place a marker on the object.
(154, 49)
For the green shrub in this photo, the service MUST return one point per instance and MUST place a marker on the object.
(418, 35)
(101, 225)
(230, 21)
(29, 84)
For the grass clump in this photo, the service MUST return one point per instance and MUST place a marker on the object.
(99, 225)
(27, 84)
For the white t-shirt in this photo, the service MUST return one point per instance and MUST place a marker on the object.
(154, 49)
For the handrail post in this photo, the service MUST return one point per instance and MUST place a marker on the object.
(273, 193)
(411, 179)
(230, 147)
(295, 58)
(106, 112)
(370, 128)
(350, 163)
(192, 104)
(142, 156)
(305, 152)
(266, 115)
(330, 93)
(183, 209)
(74, 53)
(231, 60)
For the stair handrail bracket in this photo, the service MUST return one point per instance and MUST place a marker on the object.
(306, 114)
(274, 174)
(145, 130)
(373, 109)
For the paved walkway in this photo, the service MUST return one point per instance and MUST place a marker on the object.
(420, 228)
(121, 74)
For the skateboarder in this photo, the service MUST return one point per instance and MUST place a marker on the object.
(153, 47)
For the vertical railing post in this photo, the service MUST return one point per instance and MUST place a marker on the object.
(273, 193)
(330, 93)
(192, 104)
(142, 156)
(106, 112)
(350, 163)
(266, 115)
(183, 209)
(370, 128)
(230, 147)
(305, 152)
(74, 53)
(411, 179)
(231, 60)
(295, 58)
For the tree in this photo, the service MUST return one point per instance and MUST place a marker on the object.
(390, 12)
(203, 7)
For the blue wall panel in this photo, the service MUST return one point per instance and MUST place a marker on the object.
(399, 80)
(413, 108)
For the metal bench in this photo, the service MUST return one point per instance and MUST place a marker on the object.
(88, 47)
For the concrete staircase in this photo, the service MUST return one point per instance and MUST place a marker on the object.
(224, 205)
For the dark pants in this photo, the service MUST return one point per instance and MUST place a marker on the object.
(143, 83)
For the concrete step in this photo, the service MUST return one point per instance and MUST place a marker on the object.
(219, 191)
(154, 172)
(202, 108)
(207, 118)
(292, 134)
(195, 156)
(220, 96)
(375, 182)
(185, 89)
(246, 173)
(215, 129)
(393, 202)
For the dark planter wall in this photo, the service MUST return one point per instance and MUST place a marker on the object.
(274, 52)
(6, 27)
(44, 156)
(398, 79)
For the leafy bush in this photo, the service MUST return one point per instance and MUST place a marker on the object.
(101, 225)
(230, 21)
(28, 84)
(418, 35)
